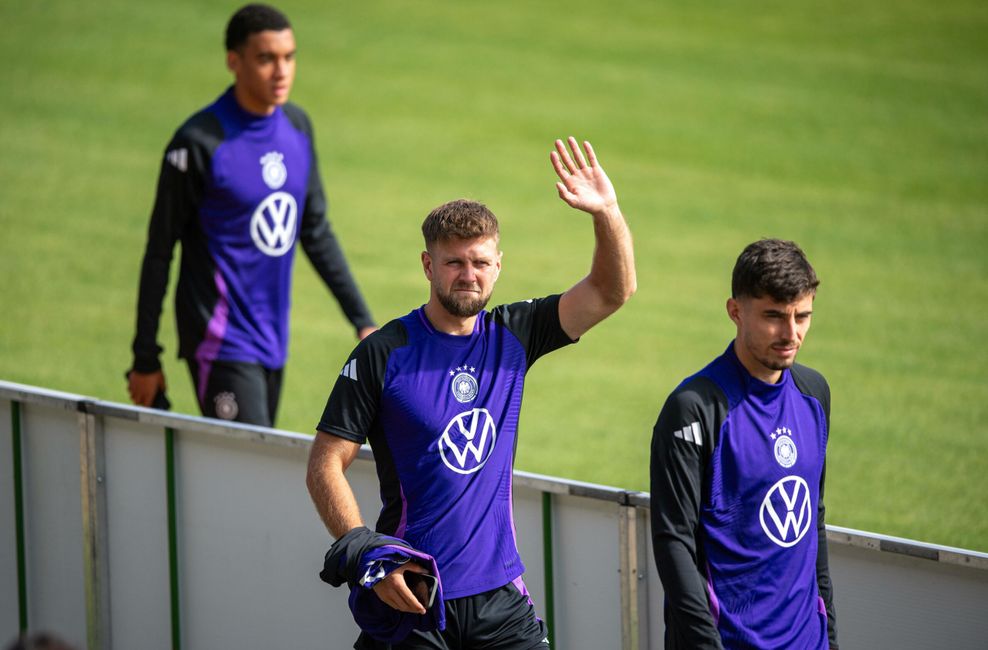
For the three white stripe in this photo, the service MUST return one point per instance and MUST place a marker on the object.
(690, 433)
(350, 370)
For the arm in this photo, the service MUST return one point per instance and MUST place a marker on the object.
(329, 458)
(324, 251)
(176, 200)
(824, 585)
(611, 282)
(332, 495)
(677, 469)
(812, 383)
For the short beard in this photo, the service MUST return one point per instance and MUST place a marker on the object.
(462, 308)
(777, 365)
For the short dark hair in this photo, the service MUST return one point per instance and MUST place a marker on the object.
(251, 19)
(459, 219)
(773, 267)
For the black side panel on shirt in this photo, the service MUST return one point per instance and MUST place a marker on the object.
(185, 168)
(678, 467)
(812, 383)
(318, 240)
(535, 323)
(351, 410)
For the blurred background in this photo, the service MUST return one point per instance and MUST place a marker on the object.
(861, 132)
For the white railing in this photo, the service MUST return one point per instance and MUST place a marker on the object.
(130, 528)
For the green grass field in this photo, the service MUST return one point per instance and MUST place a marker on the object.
(859, 131)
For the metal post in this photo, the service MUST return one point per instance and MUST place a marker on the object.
(15, 430)
(550, 606)
(172, 539)
(96, 560)
(632, 566)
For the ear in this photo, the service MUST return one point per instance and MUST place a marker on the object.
(427, 265)
(232, 61)
(734, 310)
(497, 269)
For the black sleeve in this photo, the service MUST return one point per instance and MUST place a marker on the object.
(535, 323)
(320, 244)
(812, 383)
(684, 435)
(824, 584)
(351, 409)
(184, 168)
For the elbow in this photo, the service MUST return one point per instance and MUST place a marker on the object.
(623, 293)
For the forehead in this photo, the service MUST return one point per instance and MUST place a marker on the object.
(801, 304)
(269, 40)
(477, 248)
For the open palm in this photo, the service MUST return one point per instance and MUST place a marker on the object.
(583, 184)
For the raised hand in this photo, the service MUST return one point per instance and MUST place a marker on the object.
(582, 182)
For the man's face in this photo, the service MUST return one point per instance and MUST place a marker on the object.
(462, 273)
(264, 69)
(769, 332)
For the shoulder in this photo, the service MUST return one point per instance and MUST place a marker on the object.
(390, 336)
(298, 118)
(696, 393)
(203, 129)
(810, 382)
(525, 310)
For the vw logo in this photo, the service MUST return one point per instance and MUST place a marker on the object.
(468, 441)
(786, 512)
(273, 225)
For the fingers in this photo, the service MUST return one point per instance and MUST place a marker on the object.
(567, 164)
(393, 591)
(590, 153)
(144, 386)
(581, 162)
(557, 164)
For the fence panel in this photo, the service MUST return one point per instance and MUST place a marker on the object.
(95, 480)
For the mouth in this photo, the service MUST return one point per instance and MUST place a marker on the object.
(785, 350)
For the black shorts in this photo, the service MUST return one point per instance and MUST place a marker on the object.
(240, 392)
(502, 618)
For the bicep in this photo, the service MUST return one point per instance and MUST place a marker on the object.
(580, 308)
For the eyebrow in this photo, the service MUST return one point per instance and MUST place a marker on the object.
(778, 312)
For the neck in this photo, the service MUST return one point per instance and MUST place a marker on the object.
(254, 108)
(446, 322)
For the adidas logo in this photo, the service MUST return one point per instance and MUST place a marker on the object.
(350, 370)
(179, 158)
(690, 433)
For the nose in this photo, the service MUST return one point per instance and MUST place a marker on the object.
(789, 328)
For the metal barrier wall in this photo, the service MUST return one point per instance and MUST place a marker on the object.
(130, 528)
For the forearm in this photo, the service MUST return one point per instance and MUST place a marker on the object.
(688, 611)
(323, 250)
(150, 296)
(612, 271)
(334, 501)
(331, 492)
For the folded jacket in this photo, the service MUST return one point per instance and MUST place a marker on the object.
(362, 558)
